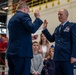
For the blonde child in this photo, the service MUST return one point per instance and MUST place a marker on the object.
(49, 66)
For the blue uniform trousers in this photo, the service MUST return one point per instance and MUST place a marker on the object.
(19, 65)
(63, 68)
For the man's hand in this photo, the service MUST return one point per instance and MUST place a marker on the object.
(73, 60)
(36, 13)
(35, 73)
(45, 24)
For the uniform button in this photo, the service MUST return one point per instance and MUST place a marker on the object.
(57, 44)
(58, 40)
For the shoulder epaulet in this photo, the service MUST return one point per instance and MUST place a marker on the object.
(71, 24)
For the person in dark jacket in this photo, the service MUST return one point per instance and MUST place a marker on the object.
(19, 51)
(49, 65)
(64, 37)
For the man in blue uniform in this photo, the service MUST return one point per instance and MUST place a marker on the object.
(19, 52)
(65, 44)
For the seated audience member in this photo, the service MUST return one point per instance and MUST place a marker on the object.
(44, 46)
(3, 47)
(3, 43)
(49, 66)
(37, 60)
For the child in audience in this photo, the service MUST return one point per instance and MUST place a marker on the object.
(49, 66)
(36, 61)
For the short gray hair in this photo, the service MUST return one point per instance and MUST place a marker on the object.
(22, 5)
(66, 12)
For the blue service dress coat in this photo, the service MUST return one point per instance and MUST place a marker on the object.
(20, 28)
(65, 41)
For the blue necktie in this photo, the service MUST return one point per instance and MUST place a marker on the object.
(61, 28)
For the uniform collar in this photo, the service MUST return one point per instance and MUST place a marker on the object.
(64, 23)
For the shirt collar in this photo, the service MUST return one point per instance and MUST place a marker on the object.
(64, 23)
